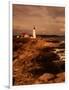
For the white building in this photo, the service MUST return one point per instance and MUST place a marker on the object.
(26, 36)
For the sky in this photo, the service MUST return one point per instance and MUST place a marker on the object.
(48, 20)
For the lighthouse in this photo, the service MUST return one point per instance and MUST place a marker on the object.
(34, 32)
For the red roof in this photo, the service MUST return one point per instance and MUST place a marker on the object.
(24, 33)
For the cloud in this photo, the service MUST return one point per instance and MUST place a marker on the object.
(49, 20)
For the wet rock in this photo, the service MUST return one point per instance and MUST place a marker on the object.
(60, 77)
(47, 57)
(45, 78)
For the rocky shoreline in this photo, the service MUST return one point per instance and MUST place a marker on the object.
(35, 62)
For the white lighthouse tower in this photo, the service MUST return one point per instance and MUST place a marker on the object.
(34, 32)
